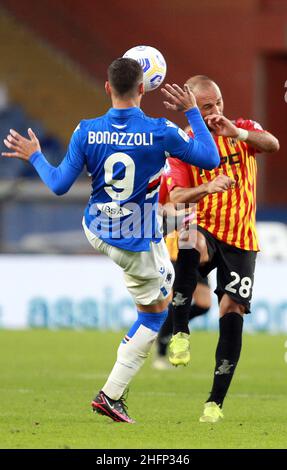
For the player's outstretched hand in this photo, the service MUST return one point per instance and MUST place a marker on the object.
(178, 99)
(22, 148)
(220, 184)
(221, 125)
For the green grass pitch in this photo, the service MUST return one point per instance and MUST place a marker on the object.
(48, 379)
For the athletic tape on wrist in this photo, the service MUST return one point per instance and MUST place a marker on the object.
(242, 134)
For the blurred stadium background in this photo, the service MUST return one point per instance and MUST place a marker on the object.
(54, 57)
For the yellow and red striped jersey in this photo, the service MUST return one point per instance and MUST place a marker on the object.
(228, 216)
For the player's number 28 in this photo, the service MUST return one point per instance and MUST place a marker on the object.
(245, 285)
(124, 185)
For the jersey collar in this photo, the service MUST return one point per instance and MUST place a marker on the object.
(134, 111)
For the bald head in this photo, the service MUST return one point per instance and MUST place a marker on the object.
(199, 81)
(207, 94)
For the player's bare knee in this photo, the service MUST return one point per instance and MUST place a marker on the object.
(202, 296)
(155, 308)
(201, 246)
(229, 305)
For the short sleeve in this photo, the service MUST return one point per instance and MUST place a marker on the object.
(250, 125)
(177, 173)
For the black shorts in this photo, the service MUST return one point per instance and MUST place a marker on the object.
(235, 269)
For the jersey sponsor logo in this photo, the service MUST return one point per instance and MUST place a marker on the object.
(111, 221)
(113, 210)
(121, 138)
(231, 159)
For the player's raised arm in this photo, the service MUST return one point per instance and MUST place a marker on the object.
(58, 179)
(201, 150)
(250, 132)
(22, 148)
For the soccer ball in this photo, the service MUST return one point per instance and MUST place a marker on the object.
(153, 64)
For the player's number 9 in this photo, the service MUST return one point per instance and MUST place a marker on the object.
(126, 184)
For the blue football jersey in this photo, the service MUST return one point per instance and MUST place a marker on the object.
(124, 152)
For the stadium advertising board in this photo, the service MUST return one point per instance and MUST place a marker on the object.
(89, 292)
